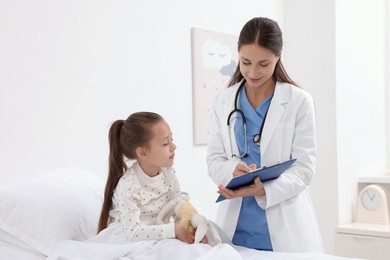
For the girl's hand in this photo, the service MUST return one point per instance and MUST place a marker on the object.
(255, 189)
(204, 240)
(242, 168)
(184, 235)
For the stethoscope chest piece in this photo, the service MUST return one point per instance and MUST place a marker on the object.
(256, 139)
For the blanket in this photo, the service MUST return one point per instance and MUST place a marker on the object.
(171, 249)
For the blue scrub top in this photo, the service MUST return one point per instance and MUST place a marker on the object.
(252, 228)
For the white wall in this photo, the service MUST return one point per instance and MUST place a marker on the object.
(361, 111)
(70, 68)
(310, 60)
(387, 83)
(336, 50)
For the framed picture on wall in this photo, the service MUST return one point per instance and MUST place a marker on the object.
(214, 59)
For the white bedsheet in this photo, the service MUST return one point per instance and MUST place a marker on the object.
(13, 252)
(171, 249)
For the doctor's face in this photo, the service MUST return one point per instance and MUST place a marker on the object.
(257, 65)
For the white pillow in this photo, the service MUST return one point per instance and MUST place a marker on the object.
(59, 205)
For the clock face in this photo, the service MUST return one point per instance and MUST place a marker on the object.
(371, 199)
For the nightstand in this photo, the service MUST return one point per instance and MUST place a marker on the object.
(365, 240)
(361, 240)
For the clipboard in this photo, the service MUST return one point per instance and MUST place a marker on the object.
(265, 173)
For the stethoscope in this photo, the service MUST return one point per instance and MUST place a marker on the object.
(257, 137)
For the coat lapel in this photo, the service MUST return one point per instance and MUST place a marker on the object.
(275, 113)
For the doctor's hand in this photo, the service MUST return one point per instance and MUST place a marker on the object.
(242, 168)
(255, 189)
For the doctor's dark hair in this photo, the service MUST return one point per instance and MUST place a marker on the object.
(124, 137)
(267, 34)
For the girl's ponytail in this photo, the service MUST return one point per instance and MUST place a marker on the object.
(117, 167)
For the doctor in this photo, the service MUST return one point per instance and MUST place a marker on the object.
(264, 118)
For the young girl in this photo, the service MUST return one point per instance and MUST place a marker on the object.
(135, 193)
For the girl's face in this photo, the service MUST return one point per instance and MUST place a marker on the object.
(161, 149)
(257, 65)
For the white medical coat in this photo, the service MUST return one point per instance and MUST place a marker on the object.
(289, 132)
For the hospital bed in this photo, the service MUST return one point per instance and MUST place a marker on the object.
(51, 216)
